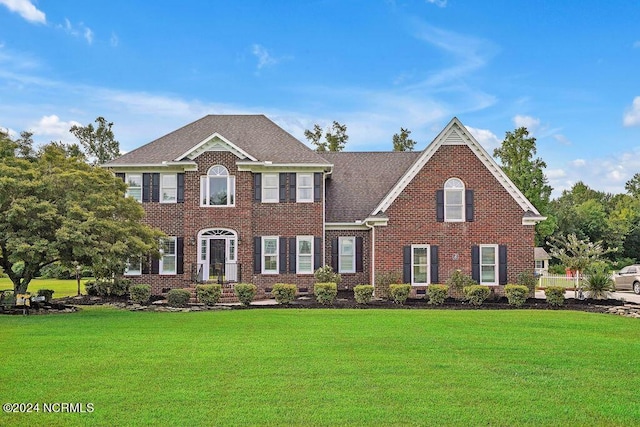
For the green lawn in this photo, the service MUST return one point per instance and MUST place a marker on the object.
(62, 288)
(324, 367)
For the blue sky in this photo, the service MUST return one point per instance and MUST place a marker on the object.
(568, 70)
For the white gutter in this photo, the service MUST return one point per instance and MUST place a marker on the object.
(373, 255)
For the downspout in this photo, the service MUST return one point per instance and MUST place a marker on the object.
(373, 255)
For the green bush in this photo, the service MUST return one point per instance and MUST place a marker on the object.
(557, 269)
(476, 294)
(326, 274)
(178, 297)
(516, 294)
(399, 292)
(325, 292)
(140, 294)
(284, 293)
(458, 280)
(598, 282)
(46, 293)
(437, 294)
(526, 278)
(554, 295)
(245, 292)
(106, 288)
(119, 287)
(57, 271)
(363, 293)
(209, 294)
(384, 279)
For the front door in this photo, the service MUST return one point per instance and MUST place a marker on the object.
(217, 259)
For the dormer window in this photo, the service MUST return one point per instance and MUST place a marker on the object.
(454, 200)
(217, 188)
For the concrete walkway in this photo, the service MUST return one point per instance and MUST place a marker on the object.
(627, 296)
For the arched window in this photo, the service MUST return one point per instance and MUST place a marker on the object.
(217, 188)
(454, 200)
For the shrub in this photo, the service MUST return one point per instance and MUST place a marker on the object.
(598, 283)
(209, 294)
(284, 293)
(178, 297)
(46, 293)
(325, 292)
(245, 292)
(437, 294)
(105, 288)
(516, 294)
(326, 274)
(476, 294)
(458, 280)
(557, 269)
(383, 280)
(363, 293)
(399, 292)
(526, 278)
(119, 287)
(555, 295)
(140, 294)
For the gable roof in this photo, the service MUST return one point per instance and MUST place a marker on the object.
(251, 137)
(456, 134)
(360, 180)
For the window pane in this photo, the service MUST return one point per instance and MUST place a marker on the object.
(232, 190)
(135, 193)
(304, 247)
(347, 247)
(270, 180)
(420, 255)
(454, 197)
(488, 256)
(346, 263)
(270, 194)
(304, 264)
(203, 245)
(217, 191)
(305, 180)
(454, 212)
(169, 264)
(232, 250)
(488, 274)
(305, 193)
(169, 246)
(270, 246)
(270, 263)
(420, 274)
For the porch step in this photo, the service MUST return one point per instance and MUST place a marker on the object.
(228, 295)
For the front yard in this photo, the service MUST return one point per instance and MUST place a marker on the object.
(323, 367)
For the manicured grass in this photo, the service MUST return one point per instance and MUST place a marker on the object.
(324, 367)
(62, 288)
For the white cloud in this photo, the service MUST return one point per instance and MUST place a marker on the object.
(79, 30)
(531, 123)
(88, 35)
(561, 139)
(486, 138)
(555, 173)
(632, 115)
(578, 163)
(439, 3)
(264, 58)
(114, 40)
(26, 9)
(54, 129)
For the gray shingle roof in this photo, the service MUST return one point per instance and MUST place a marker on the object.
(360, 181)
(255, 134)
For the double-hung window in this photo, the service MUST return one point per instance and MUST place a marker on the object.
(454, 200)
(347, 254)
(270, 255)
(489, 264)
(133, 268)
(420, 264)
(169, 188)
(168, 255)
(134, 186)
(304, 187)
(305, 255)
(270, 187)
(217, 188)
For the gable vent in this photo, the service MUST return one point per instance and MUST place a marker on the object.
(454, 138)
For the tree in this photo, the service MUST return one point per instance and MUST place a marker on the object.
(335, 137)
(98, 142)
(633, 185)
(401, 141)
(516, 155)
(55, 207)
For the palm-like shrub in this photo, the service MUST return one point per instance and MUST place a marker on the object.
(598, 283)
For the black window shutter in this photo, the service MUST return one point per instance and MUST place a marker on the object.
(292, 187)
(433, 264)
(292, 254)
(317, 187)
(257, 187)
(155, 187)
(317, 253)
(334, 254)
(145, 265)
(257, 255)
(121, 176)
(155, 266)
(283, 187)
(502, 264)
(180, 255)
(406, 264)
(282, 258)
(475, 263)
(468, 201)
(146, 187)
(359, 263)
(180, 181)
(440, 205)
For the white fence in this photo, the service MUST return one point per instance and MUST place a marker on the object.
(557, 280)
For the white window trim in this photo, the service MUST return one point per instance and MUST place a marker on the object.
(277, 255)
(204, 189)
(413, 282)
(496, 271)
(299, 187)
(175, 189)
(128, 271)
(126, 178)
(353, 260)
(174, 255)
(275, 187)
(298, 255)
(462, 199)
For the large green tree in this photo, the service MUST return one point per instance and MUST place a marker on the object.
(335, 137)
(98, 142)
(516, 155)
(402, 142)
(54, 207)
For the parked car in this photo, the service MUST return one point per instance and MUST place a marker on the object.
(628, 279)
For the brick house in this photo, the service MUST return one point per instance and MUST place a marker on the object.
(240, 199)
